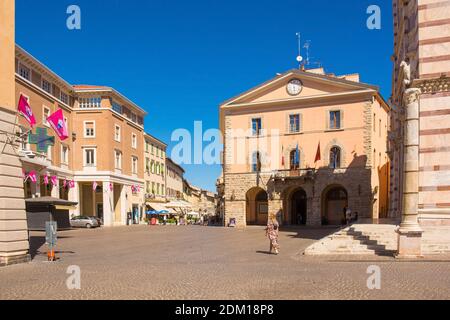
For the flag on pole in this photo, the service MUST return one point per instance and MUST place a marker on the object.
(111, 187)
(25, 110)
(56, 121)
(33, 176)
(46, 180)
(297, 156)
(65, 183)
(54, 181)
(318, 156)
(94, 185)
(71, 184)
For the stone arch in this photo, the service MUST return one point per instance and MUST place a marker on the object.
(333, 200)
(331, 144)
(256, 206)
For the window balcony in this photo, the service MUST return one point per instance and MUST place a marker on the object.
(305, 174)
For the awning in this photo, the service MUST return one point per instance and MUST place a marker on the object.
(158, 207)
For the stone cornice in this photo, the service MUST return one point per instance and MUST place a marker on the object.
(431, 86)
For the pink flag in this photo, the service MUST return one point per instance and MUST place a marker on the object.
(111, 187)
(54, 180)
(33, 176)
(64, 183)
(56, 121)
(94, 185)
(71, 184)
(46, 180)
(25, 110)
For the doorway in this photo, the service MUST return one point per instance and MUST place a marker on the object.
(299, 207)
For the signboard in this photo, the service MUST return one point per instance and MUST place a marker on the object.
(51, 229)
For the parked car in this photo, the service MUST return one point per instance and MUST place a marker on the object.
(84, 222)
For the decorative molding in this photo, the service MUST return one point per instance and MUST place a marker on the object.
(411, 95)
(432, 86)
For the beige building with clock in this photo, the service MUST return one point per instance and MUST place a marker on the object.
(271, 161)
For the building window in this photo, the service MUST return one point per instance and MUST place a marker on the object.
(24, 72)
(256, 126)
(49, 153)
(162, 190)
(374, 122)
(117, 133)
(335, 119)
(335, 158)
(118, 159)
(134, 165)
(294, 159)
(46, 86)
(64, 97)
(64, 154)
(117, 107)
(89, 157)
(134, 117)
(146, 146)
(134, 141)
(87, 103)
(153, 188)
(294, 123)
(379, 129)
(45, 115)
(89, 129)
(24, 138)
(256, 162)
(152, 167)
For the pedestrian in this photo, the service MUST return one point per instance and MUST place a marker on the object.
(344, 212)
(272, 234)
(348, 215)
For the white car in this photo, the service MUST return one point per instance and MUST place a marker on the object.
(84, 222)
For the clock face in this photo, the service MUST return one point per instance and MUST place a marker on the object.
(294, 87)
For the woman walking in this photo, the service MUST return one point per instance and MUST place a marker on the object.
(272, 234)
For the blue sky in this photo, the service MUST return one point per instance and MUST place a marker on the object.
(180, 59)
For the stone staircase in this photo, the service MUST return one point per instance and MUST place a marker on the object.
(360, 239)
(377, 239)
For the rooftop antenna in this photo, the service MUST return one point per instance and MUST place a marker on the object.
(299, 57)
(306, 46)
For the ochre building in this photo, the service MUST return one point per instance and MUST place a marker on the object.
(100, 166)
(304, 145)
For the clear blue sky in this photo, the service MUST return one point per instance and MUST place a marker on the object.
(180, 59)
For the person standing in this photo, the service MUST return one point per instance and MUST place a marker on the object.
(348, 215)
(272, 234)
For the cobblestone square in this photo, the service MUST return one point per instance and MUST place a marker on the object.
(194, 262)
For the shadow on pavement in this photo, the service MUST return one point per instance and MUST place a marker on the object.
(303, 232)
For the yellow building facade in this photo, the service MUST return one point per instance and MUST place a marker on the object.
(13, 224)
(303, 146)
(100, 165)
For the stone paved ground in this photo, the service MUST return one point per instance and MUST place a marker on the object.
(144, 262)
